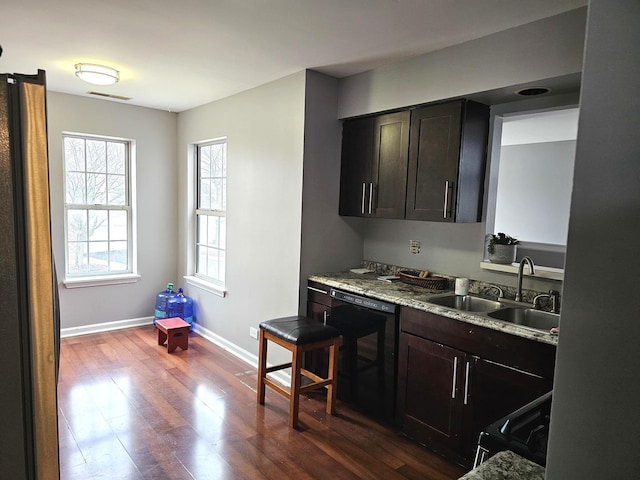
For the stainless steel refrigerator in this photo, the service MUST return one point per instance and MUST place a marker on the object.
(29, 326)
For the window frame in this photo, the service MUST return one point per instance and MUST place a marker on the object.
(210, 212)
(95, 278)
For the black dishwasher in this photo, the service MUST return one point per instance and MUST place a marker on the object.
(368, 366)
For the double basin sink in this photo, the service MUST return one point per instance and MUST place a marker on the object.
(517, 315)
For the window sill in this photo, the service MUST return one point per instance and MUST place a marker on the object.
(541, 272)
(100, 281)
(206, 286)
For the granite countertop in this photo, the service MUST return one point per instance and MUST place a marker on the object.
(506, 466)
(418, 297)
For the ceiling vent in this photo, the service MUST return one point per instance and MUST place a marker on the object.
(533, 91)
(109, 95)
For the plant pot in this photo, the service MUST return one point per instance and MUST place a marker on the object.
(505, 254)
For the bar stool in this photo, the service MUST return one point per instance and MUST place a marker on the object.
(298, 334)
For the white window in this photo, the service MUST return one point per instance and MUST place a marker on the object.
(98, 213)
(211, 210)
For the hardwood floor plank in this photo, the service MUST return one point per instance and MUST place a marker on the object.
(129, 410)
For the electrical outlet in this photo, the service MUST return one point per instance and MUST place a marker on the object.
(253, 332)
(414, 246)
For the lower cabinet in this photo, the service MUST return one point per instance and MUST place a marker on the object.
(447, 395)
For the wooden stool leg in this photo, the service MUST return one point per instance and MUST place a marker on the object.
(162, 336)
(262, 365)
(333, 376)
(294, 396)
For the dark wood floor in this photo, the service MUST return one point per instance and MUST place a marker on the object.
(129, 410)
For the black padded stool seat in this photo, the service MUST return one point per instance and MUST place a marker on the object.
(298, 335)
(299, 330)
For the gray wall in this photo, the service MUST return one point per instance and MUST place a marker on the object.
(154, 132)
(548, 48)
(595, 418)
(264, 129)
(553, 47)
(330, 243)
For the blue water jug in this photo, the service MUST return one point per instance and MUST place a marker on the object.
(161, 302)
(181, 306)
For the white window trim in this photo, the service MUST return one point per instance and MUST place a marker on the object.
(204, 282)
(80, 281)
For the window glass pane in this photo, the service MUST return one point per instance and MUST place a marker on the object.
(217, 194)
(218, 163)
(76, 225)
(116, 159)
(205, 162)
(118, 225)
(222, 236)
(203, 221)
(205, 194)
(98, 256)
(213, 235)
(96, 189)
(202, 260)
(75, 186)
(116, 191)
(221, 265)
(96, 156)
(73, 154)
(77, 258)
(118, 256)
(98, 225)
(212, 263)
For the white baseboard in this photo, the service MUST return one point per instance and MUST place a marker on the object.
(232, 348)
(241, 353)
(105, 327)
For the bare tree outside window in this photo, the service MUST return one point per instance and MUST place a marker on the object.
(97, 205)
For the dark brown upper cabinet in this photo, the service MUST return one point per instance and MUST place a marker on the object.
(373, 180)
(447, 157)
(421, 164)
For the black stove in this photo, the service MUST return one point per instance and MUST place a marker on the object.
(525, 432)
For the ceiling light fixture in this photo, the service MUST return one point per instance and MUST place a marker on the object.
(97, 74)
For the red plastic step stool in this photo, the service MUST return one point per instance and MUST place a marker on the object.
(173, 331)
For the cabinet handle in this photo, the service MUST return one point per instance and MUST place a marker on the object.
(455, 375)
(370, 198)
(324, 317)
(466, 385)
(317, 290)
(364, 190)
(446, 198)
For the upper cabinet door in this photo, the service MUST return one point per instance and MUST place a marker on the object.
(355, 173)
(433, 162)
(389, 172)
(447, 161)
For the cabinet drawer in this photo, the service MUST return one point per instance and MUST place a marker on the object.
(528, 355)
(318, 293)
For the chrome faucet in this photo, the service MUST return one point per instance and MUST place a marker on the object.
(532, 269)
(498, 289)
(553, 295)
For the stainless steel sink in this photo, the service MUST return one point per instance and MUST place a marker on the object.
(467, 303)
(527, 317)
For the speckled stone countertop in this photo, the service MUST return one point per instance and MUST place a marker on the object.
(418, 297)
(506, 466)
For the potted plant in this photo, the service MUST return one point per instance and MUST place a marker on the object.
(502, 248)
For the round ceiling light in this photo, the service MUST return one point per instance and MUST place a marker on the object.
(97, 74)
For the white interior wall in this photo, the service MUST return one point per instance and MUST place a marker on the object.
(154, 132)
(264, 130)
